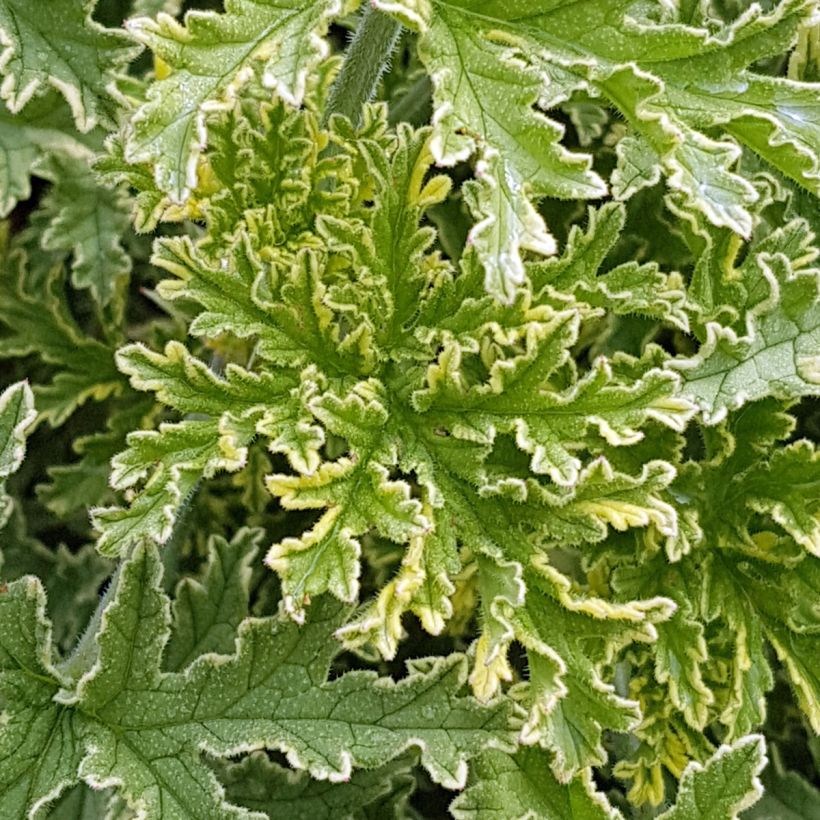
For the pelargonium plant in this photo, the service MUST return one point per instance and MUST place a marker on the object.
(409, 409)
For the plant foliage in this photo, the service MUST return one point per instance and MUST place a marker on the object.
(411, 423)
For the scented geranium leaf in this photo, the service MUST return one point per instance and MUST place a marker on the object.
(522, 786)
(777, 118)
(549, 425)
(145, 729)
(178, 455)
(422, 585)
(17, 414)
(71, 580)
(584, 253)
(390, 252)
(83, 484)
(207, 613)
(44, 128)
(222, 289)
(88, 221)
(151, 514)
(40, 747)
(39, 323)
(570, 703)
(643, 290)
(493, 112)
(501, 520)
(786, 795)
(506, 225)
(261, 785)
(271, 157)
(636, 62)
(627, 288)
(294, 327)
(756, 577)
(776, 356)
(149, 204)
(171, 460)
(190, 446)
(725, 290)
(777, 600)
(721, 489)
(637, 167)
(357, 494)
(496, 109)
(679, 655)
(787, 491)
(798, 653)
(680, 652)
(698, 168)
(759, 600)
(82, 803)
(208, 59)
(726, 785)
(502, 589)
(303, 326)
(65, 50)
(188, 385)
(600, 499)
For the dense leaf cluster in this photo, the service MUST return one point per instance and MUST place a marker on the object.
(420, 423)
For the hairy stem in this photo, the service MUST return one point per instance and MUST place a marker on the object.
(365, 61)
(84, 654)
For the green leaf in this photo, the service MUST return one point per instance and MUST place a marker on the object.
(65, 50)
(679, 655)
(16, 415)
(422, 585)
(521, 785)
(171, 460)
(88, 221)
(39, 323)
(479, 109)
(777, 118)
(548, 424)
(624, 289)
(208, 60)
(356, 492)
(44, 128)
(493, 113)
(777, 354)
(570, 703)
(496, 70)
(786, 795)
(207, 613)
(180, 454)
(40, 747)
(786, 491)
(264, 786)
(83, 484)
(126, 723)
(506, 225)
(82, 803)
(726, 785)
(71, 580)
(795, 643)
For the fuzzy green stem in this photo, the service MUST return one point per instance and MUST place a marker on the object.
(365, 61)
(84, 653)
